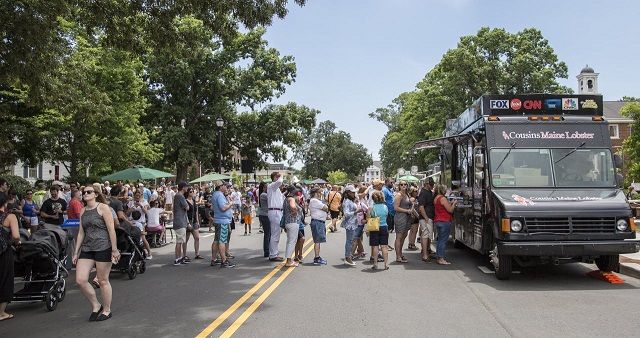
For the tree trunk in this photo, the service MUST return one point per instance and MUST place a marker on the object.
(181, 172)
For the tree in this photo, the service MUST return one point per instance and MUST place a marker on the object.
(328, 149)
(93, 111)
(201, 78)
(337, 177)
(631, 146)
(34, 33)
(493, 61)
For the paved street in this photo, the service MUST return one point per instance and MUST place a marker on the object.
(336, 300)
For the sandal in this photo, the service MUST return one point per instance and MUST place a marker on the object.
(426, 260)
(386, 267)
(402, 259)
(95, 283)
(412, 247)
(293, 265)
(198, 257)
(443, 262)
(10, 316)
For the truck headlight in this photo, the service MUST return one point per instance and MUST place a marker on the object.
(516, 225)
(622, 225)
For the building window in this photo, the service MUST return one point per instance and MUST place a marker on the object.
(32, 172)
(590, 84)
(614, 132)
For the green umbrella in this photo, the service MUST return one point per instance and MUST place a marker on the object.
(211, 177)
(137, 172)
(266, 180)
(409, 178)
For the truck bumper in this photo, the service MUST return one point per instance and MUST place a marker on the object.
(568, 248)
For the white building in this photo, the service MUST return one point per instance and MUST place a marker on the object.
(373, 172)
(47, 171)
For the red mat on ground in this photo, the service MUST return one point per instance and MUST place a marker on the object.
(609, 277)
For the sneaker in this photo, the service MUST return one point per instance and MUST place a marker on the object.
(214, 263)
(349, 263)
(217, 261)
(316, 261)
(230, 256)
(185, 262)
(322, 261)
(177, 262)
(227, 264)
(149, 257)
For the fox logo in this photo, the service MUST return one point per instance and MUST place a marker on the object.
(505, 135)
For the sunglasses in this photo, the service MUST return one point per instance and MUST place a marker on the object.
(87, 192)
(403, 184)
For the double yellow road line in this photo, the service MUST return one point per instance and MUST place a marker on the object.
(254, 306)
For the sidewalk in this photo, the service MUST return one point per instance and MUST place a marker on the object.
(630, 264)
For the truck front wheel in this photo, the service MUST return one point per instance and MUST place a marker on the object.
(608, 263)
(502, 264)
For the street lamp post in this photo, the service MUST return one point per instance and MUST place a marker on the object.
(220, 124)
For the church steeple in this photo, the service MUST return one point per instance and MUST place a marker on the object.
(587, 81)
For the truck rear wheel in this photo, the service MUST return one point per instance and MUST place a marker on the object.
(608, 263)
(502, 264)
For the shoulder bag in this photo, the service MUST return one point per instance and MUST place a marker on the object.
(373, 223)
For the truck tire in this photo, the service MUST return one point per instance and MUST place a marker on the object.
(608, 263)
(502, 264)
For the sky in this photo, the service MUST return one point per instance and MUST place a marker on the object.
(355, 56)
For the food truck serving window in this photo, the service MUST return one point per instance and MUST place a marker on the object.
(551, 168)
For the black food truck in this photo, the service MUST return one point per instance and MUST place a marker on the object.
(536, 182)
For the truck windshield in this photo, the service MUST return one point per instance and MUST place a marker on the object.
(538, 168)
(522, 168)
(583, 168)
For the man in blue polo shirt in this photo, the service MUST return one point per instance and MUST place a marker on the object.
(388, 198)
(222, 215)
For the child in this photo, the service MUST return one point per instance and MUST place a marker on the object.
(155, 216)
(136, 216)
(246, 215)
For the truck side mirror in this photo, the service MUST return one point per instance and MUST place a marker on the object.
(478, 161)
(619, 180)
(617, 161)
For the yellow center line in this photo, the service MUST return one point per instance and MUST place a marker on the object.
(216, 323)
(248, 312)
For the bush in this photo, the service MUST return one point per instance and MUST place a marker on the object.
(17, 183)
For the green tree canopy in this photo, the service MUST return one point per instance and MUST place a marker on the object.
(631, 146)
(328, 149)
(493, 61)
(201, 78)
(337, 177)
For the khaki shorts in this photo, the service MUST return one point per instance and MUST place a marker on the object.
(426, 226)
(181, 235)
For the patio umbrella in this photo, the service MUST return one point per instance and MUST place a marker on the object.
(318, 181)
(211, 177)
(137, 172)
(409, 178)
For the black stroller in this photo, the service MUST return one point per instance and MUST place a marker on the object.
(132, 257)
(40, 267)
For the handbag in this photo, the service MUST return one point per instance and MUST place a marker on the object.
(373, 223)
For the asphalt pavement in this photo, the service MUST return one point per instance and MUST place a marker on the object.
(260, 298)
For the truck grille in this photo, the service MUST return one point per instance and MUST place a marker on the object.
(569, 225)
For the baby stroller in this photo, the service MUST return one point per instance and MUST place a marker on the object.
(132, 257)
(40, 267)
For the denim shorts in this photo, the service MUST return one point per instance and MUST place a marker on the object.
(359, 232)
(318, 231)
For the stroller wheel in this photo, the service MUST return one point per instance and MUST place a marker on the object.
(61, 290)
(51, 301)
(132, 272)
(142, 267)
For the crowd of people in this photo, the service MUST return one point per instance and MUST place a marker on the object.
(413, 212)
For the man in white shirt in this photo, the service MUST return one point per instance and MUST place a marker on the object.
(168, 198)
(275, 200)
(236, 198)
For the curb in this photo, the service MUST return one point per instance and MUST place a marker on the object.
(630, 269)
